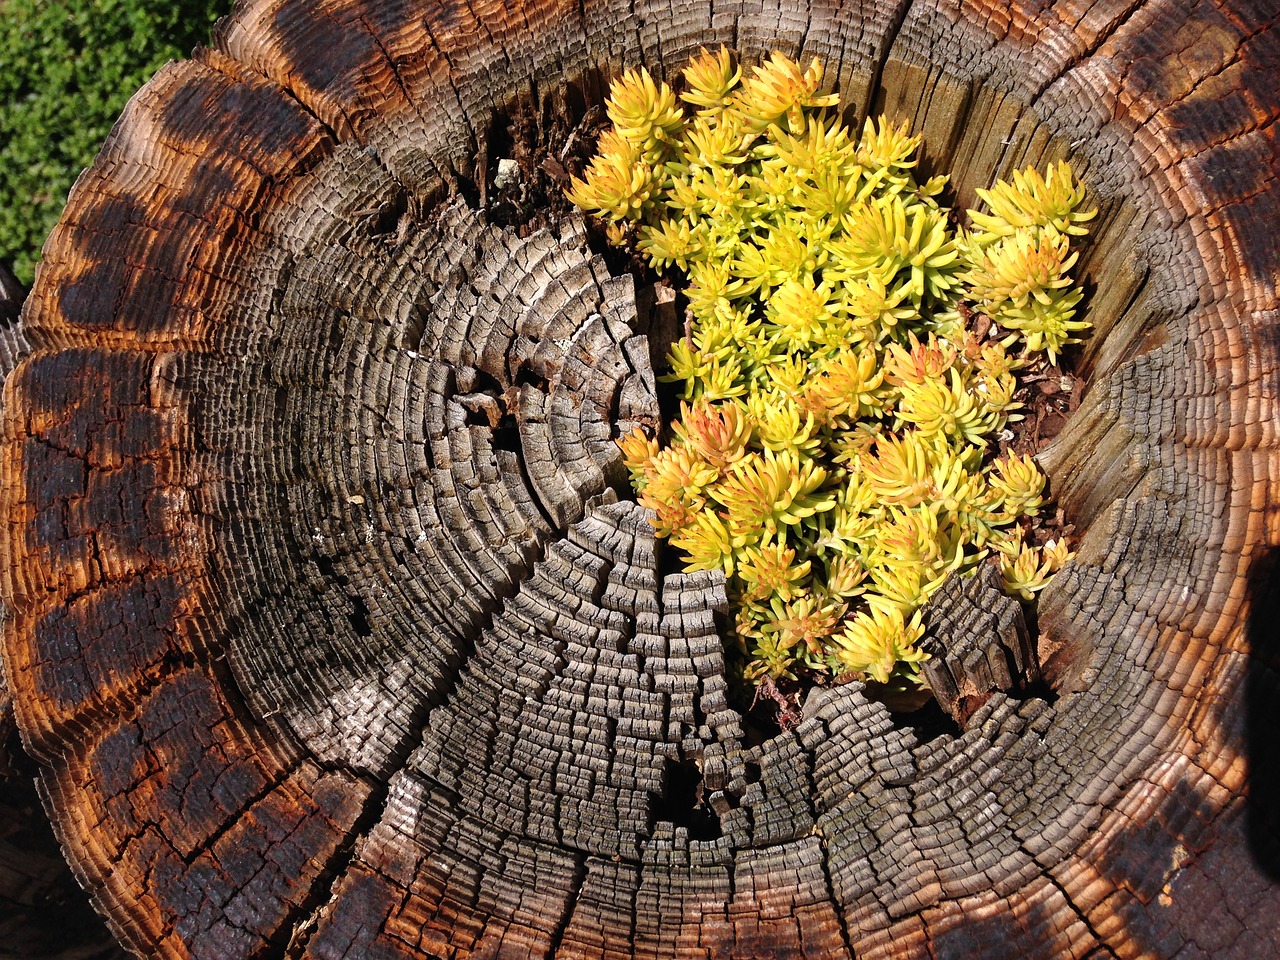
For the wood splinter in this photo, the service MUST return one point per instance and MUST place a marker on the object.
(979, 644)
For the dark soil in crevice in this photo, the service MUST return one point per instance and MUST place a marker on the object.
(531, 155)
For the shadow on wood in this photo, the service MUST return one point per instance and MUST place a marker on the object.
(1262, 714)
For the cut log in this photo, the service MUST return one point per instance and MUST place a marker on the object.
(334, 632)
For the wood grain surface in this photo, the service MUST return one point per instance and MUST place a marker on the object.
(334, 633)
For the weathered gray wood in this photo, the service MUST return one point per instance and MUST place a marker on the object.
(978, 643)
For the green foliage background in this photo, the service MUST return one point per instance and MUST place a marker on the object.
(67, 67)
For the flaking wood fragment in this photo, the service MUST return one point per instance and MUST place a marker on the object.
(978, 643)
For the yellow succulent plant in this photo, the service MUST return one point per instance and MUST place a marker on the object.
(836, 450)
(716, 433)
(1025, 570)
(780, 89)
(1019, 483)
(1033, 201)
(847, 387)
(620, 181)
(645, 114)
(771, 570)
(880, 643)
(710, 80)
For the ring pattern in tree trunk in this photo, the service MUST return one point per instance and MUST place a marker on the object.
(335, 635)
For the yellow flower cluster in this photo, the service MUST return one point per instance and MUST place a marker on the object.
(834, 451)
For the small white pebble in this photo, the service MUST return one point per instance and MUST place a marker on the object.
(508, 173)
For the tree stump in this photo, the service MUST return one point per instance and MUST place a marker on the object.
(334, 633)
